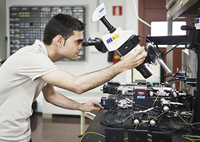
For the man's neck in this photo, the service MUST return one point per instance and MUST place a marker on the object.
(52, 54)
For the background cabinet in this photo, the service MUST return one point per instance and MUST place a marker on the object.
(28, 23)
(2, 30)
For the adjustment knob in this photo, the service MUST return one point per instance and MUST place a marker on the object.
(152, 123)
(136, 122)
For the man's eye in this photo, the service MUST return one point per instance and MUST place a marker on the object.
(79, 41)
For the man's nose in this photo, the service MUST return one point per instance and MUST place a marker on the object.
(81, 47)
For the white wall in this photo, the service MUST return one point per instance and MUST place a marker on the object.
(131, 24)
(94, 60)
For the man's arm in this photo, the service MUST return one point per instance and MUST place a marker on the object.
(60, 100)
(83, 83)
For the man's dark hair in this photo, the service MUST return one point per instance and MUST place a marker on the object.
(61, 24)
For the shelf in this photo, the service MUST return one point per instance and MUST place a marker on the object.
(183, 8)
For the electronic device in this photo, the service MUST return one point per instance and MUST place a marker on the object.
(124, 42)
(161, 137)
(114, 135)
(137, 135)
(134, 95)
(159, 108)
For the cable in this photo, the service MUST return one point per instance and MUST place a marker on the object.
(138, 16)
(91, 133)
(168, 75)
(170, 126)
(109, 113)
(141, 106)
(184, 120)
(148, 40)
(106, 122)
(175, 47)
(144, 107)
(196, 43)
(155, 100)
(171, 131)
(191, 137)
(150, 120)
(116, 123)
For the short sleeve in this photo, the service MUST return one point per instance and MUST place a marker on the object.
(35, 64)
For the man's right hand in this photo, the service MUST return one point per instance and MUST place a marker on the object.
(134, 59)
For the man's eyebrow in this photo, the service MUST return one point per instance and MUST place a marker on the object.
(79, 40)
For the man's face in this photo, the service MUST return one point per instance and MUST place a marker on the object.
(72, 46)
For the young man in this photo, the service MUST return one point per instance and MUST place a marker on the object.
(32, 70)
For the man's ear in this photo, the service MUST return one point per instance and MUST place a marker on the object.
(59, 40)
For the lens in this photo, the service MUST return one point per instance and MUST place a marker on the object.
(145, 70)
(160, 61)
(98, 43)
(88, 42)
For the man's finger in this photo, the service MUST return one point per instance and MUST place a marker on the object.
(140, 50)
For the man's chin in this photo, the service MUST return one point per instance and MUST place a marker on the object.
(73, 59)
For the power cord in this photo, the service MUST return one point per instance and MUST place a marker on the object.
(192, 138)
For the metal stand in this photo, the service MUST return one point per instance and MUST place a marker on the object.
(197, 91)
(194, 40)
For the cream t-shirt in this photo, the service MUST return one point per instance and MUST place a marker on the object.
(20, 85)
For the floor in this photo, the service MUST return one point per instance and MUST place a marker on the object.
(59, 128)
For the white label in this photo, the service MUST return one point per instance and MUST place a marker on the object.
(197, 23)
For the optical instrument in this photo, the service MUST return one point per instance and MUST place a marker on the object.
(124, 42)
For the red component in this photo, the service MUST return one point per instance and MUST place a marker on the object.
(116, 57)
(141, 93)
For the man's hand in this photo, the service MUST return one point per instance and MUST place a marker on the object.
(90, 106)
(134, 59)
